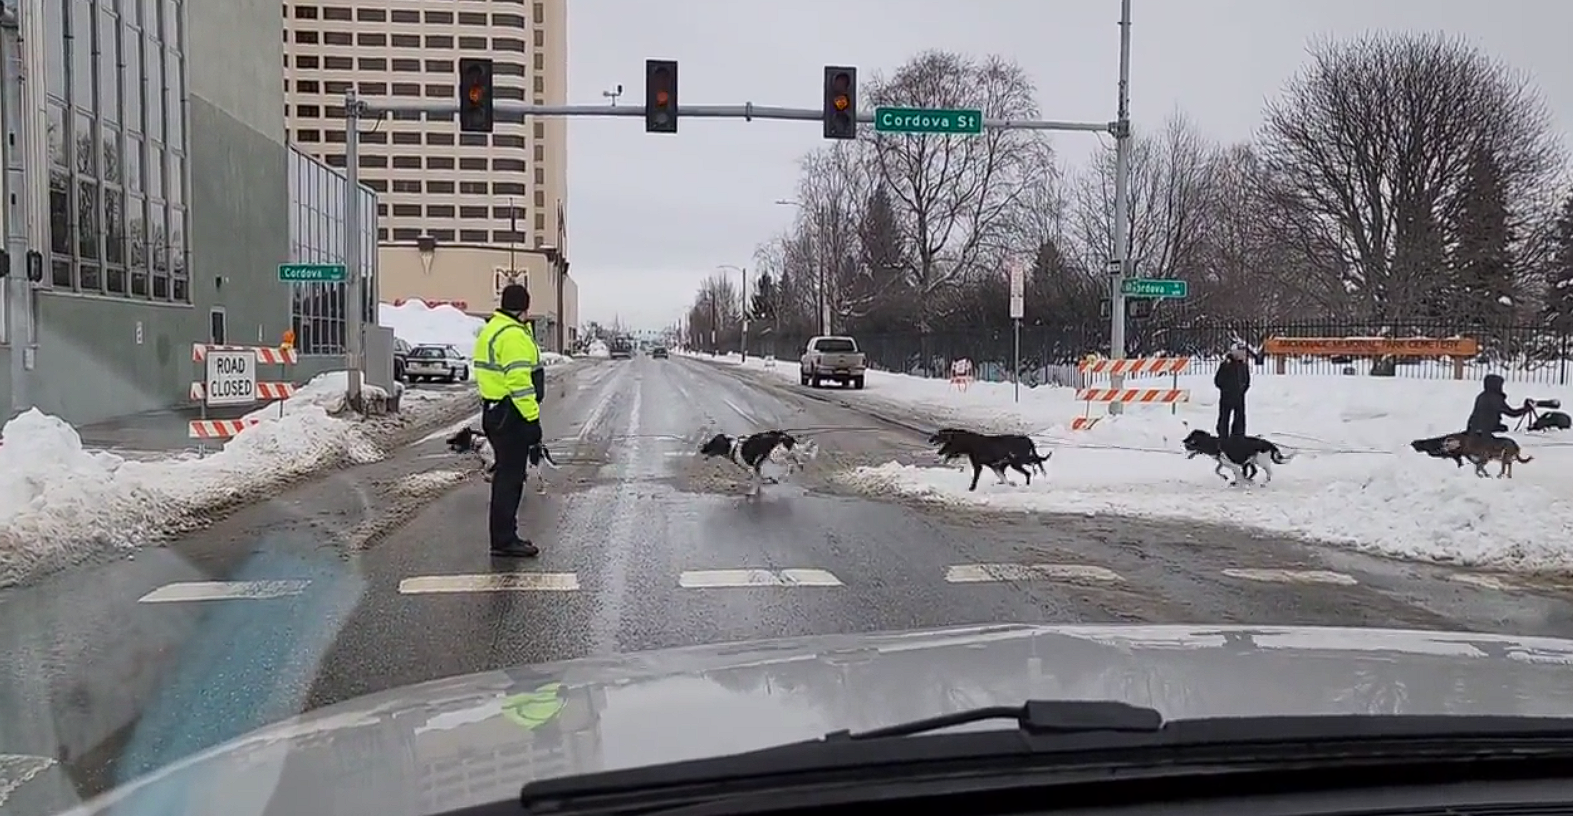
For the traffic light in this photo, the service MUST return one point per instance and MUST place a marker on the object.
(660, 96)
(475, 95)
(841, 102)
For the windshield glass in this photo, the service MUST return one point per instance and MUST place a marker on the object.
(497, 455)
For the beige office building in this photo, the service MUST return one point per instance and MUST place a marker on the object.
(460, 214)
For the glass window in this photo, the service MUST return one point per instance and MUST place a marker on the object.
(87, 222)
(114, 227)
(56, 132)
(174, 26)
(153, 173)
(108, 59)
(157, 239)
(55, 47)
(175, 170)
(81, 45)
(131, 78)
(133, 162)
(177, 241)
(153, 84)
(136, 233)
(174, 94)
(112, 166)
(86, 153)
(59, 211)
(88, 278)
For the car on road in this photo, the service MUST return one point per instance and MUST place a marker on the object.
(437, 362)
(401, 359)
(621, 348)
(659, 353)
(834, 358)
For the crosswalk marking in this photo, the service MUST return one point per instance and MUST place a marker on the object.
(224, 591)
(732, 578)
(984, 573)
(1293, 576)
(491, 582)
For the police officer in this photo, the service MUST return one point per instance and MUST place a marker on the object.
(511, 382)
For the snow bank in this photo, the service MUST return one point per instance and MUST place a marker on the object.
(62, 504)
(1355, 481)
(418, 324)
(599, 350)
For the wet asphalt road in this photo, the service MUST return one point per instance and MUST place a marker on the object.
(378, 576)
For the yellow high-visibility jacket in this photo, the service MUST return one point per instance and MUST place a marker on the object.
(508, 365)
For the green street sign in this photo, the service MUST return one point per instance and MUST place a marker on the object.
(922, 120)
(1154, 288)
(312, 273)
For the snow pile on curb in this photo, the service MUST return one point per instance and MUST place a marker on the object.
(62, 504)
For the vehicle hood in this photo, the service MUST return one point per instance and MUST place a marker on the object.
(466, 740)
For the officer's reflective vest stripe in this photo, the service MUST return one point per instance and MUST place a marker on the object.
(499, 379)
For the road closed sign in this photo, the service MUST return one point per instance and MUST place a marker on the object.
(232, 378)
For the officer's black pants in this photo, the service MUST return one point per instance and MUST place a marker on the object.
(1231, 416)
(510, 437)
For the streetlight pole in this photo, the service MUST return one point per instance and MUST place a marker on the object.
(822, 280)
(743, 335)
(1120, 262)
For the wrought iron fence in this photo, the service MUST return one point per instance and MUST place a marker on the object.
(1520, 352)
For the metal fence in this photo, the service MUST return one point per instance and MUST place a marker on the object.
(1520, 352)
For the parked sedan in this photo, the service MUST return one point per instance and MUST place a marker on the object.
(432, 362)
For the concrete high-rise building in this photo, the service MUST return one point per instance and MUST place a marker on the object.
(459, 214)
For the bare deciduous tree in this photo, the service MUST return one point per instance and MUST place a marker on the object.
(1370, 146)
(957, 196)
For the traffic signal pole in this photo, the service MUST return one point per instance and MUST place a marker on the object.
(665, 71)
(354, 285)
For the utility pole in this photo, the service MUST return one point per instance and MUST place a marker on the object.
(19, 288)
(1120, 262)
(354, 300)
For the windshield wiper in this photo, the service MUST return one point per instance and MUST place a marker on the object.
(1061, 738)
(1034, 717)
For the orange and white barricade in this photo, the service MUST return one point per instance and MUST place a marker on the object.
(229, 379)
(1137, 367)
(961, 374)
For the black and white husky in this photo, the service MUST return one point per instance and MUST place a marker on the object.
(471, 440)
(1243, 455)
(754, 451)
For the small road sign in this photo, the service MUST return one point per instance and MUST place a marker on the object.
(312, 273)
(232, 377)
(1154, 288)
(921, 120)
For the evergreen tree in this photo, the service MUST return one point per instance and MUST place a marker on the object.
(762, 305)
(1482, 268)
(1559, 275)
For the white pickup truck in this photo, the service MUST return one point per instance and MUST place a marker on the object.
(832, 358)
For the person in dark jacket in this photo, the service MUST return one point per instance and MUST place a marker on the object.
(1491, 405)
(1233, 380)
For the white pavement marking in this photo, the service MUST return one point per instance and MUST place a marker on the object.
(1484, 581)
(224, 591)
(732, 578)
(740, 412)
(1291, 576)
(491, 582)
(984, 573)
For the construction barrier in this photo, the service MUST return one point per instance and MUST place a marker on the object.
(1096, 367)
(229, 379)
(1460, 350)
(961, 374)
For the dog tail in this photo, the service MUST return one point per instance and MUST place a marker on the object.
(1281, 458)
(1037, 461)
(1521, 458)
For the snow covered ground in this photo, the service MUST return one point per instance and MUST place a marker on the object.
(1354, 481)
(62, 503)
(417, 324)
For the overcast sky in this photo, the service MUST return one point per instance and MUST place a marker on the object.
(650, 215)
